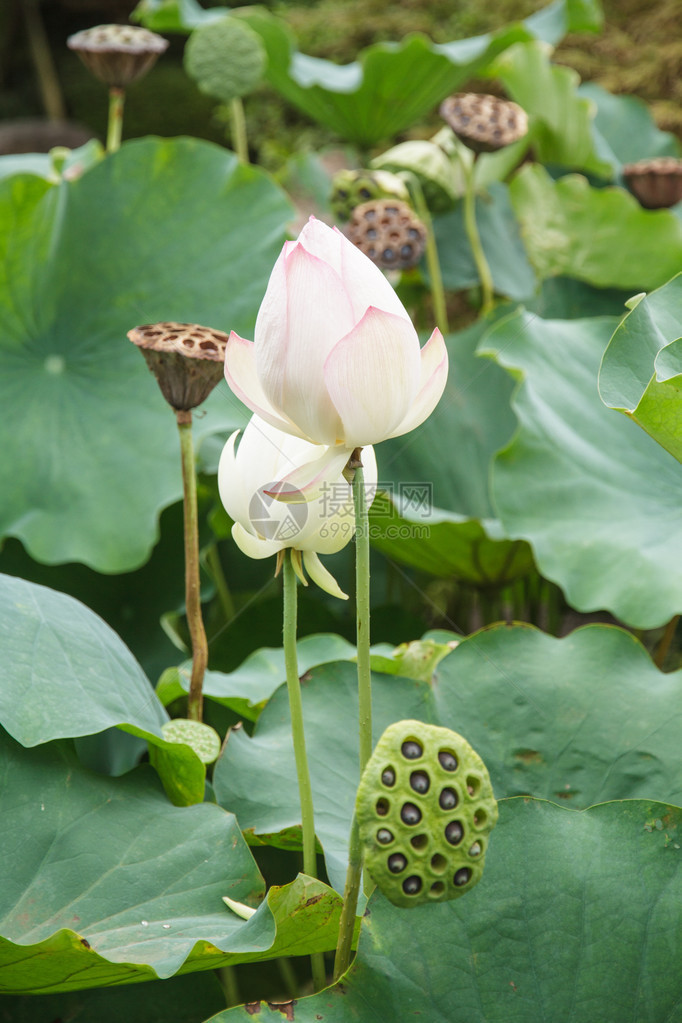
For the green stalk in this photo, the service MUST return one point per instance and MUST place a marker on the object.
(362, 612)
(215, 569)
(195, 622)
(241, 147)
(665, 642)
(431, 253)
(471, 228)
(350, 903)
(115, 125)
(297, 730)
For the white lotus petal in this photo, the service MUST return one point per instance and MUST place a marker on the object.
(319, 574)
(242, 377)
(372, 376)
(433, 378)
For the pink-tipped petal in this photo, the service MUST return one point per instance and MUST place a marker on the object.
(372, 376)
(312, 480)
(363, 281)
(432, 380)
(320, 575)
(241, 375)
(306, 310)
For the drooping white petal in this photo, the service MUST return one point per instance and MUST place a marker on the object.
(432, 380)
(372, 376)
(320, 575)
(254, 546)
(297, 326)
(242, 377)
(363, 281)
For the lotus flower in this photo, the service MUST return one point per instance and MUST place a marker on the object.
(335, 360)
(264, 526)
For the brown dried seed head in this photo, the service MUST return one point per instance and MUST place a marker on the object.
(484, 123)
(388, 232)
(186, 359)
(657, 183)
(117, 54)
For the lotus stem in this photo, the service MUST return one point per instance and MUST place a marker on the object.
(305, 791)
(351, 893)
(474, 237)
(239, 140)
(195, 622)
(665, 641)
(431, 253)
(115, 125)
(362, 612)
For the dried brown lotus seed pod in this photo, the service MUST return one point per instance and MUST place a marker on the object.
(389, 233)
(656, 183)
(188, 360)
(117, 54)
(425, 808)
(484, 123)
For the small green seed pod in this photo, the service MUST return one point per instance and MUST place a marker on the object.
(425, 808)
(350, 188)
(225, 58)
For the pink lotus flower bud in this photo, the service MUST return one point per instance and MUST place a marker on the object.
(336, 360)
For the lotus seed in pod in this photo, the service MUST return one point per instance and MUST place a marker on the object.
(425, 808)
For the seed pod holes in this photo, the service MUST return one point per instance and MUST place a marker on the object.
(448, 799)
(411, 749)
(410, 814)
(420, 782)
(388, 777)
(384, 836)
(412, 885)
(447, 760)
(382, 807)
(419, 842)
(454, 832)
(462, 877)
(396, 863)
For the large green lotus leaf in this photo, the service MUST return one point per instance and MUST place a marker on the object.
(526, 701)
(624, 129)
(163, 229)
(561, 120)
(442, 519)
(190, 999)
(104, 882)
(448, 545)
(641, 372)
(67, 674)
(392, 85)
(65, 671)
(596, 498)
(512, 274)
(132, 603)
(598, 235)
(576, 919)
(251, 685)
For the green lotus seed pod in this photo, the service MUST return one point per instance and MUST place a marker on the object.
(425, 808)
(203, 739)
(225, 58)
(351, 188)
(429, 164)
